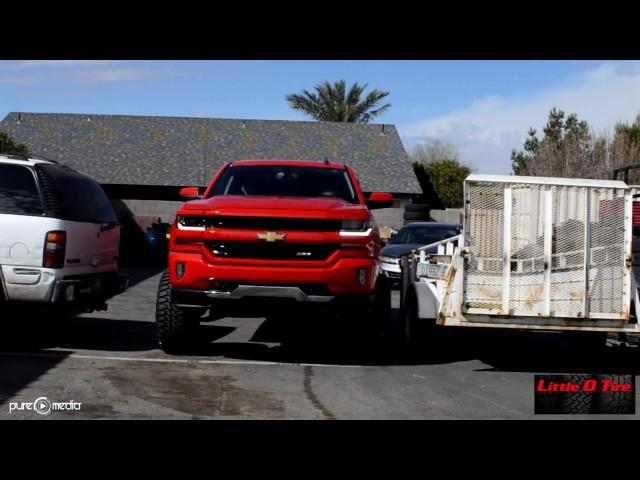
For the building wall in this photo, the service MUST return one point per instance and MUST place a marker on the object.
(163, 209)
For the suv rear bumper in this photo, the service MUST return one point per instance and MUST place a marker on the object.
(90, 289)
(42, 285)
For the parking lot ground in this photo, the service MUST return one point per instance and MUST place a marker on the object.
(287, 365)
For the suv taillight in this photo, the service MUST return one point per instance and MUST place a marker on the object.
(54, 249)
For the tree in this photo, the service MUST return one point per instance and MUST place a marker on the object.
(624, 148)
(630, 133)
(333, 103)
(435, 150)
(441, 165)
(7, 145)
(568, 149)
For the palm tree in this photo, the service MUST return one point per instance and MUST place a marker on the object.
(332, 103)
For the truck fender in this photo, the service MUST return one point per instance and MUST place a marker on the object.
(428, 304)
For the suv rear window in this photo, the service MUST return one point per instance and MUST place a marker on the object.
(286, 181)
(19, 193)
(81, 199)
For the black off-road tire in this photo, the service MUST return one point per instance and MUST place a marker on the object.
(417, 216)
(175, 326)
(417, 207)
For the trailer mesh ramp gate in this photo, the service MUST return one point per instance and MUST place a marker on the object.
(547, 248)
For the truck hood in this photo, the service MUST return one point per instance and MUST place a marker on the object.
(275, 206)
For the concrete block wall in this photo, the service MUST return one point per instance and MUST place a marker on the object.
(163, 209)
(449, 215)
(391, 217)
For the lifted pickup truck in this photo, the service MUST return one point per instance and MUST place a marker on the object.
(300, 231)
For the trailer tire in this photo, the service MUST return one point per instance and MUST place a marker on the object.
(175, 326)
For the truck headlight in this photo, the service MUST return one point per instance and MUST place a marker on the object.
(358, 228)
(192, 222)
(392, 260)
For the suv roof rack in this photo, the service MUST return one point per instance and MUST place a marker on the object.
(25, 157)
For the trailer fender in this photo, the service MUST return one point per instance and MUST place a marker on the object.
(427, 299)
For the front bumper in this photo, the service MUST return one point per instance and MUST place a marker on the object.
(390, 270)
(199, 298)
(339, 278)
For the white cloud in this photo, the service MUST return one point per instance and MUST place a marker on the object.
(47, 72)
(110, 75)
(486, 131)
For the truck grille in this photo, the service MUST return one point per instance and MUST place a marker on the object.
(271, 223)
(272, 251)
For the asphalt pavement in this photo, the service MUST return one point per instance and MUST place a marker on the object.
(291, 364)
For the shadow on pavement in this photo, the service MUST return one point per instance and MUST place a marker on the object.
(309, 336)
(140, 274)
(91, 333)
(343, 341)
(18, 372)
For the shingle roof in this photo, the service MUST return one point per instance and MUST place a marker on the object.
(127, 149)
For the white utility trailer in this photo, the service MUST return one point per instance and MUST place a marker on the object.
(534, 253)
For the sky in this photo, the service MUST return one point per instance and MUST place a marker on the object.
(484, 108)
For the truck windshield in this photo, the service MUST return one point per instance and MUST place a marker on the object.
(285, 181)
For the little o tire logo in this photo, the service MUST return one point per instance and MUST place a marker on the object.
(42, 405)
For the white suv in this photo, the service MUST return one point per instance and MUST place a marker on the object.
(59, 236)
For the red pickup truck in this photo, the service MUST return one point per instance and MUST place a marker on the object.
(300, 231)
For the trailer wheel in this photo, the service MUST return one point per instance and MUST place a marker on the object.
(175, 326)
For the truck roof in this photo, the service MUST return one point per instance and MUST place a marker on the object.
(292, 163)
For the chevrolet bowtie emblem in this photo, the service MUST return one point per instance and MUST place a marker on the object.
(271, 236)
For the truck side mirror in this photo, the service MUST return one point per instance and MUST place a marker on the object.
(379, 200)
(190, 193)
